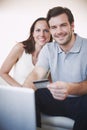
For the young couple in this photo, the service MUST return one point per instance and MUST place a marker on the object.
(66, 59)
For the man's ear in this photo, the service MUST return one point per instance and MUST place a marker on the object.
(72, 26)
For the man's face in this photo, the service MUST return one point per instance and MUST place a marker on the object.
(61, 29)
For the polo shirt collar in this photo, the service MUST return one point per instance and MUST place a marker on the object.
(77, 45)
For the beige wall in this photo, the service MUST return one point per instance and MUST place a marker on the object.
(16, 16)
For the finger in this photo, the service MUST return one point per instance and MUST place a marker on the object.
(59, 96)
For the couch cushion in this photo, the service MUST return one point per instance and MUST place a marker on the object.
(57, 121)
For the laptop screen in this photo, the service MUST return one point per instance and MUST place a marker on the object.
(17, 108)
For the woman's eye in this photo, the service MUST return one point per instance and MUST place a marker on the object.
(38, 30)
(46, 30)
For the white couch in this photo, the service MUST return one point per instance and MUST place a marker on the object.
(57, 122)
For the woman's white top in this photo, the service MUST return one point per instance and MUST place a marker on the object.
(23, 67)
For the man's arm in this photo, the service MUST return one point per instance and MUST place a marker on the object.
(37, 74)
(60, 90)
(78, 88)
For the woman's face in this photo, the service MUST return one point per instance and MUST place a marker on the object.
(41, 33)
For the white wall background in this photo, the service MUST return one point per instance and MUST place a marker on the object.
(16, 17)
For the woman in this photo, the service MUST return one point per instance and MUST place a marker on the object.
(24, 55)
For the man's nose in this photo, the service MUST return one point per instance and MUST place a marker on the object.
(59, 29)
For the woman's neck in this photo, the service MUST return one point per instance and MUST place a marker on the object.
(36, 53)
(37, 49)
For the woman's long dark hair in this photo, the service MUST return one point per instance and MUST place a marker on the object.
(29, 44)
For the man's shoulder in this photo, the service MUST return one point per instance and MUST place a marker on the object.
(82, 39)
(84, 43)
(52, 45)
(85, 40)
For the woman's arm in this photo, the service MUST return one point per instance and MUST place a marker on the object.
(9, 62)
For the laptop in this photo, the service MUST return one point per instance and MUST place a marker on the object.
(17, 108)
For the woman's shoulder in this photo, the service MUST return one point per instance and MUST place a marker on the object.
(19, 46)
(18, 49)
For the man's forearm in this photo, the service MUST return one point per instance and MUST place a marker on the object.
(78, 88)
(37, 74)
(29, 80)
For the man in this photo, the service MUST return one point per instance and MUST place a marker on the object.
(66, 58)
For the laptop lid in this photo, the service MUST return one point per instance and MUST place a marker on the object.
(17, 108)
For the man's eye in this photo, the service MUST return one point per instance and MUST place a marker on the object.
(63, 25)
(53, 27)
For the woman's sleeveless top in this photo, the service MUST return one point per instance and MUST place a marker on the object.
(23, 67)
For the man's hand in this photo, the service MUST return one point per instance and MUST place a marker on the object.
(59, 90)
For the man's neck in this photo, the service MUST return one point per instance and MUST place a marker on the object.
(66, 48)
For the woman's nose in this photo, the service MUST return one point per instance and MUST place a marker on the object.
(42, 33)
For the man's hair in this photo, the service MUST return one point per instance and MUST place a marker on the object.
(58, 11)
